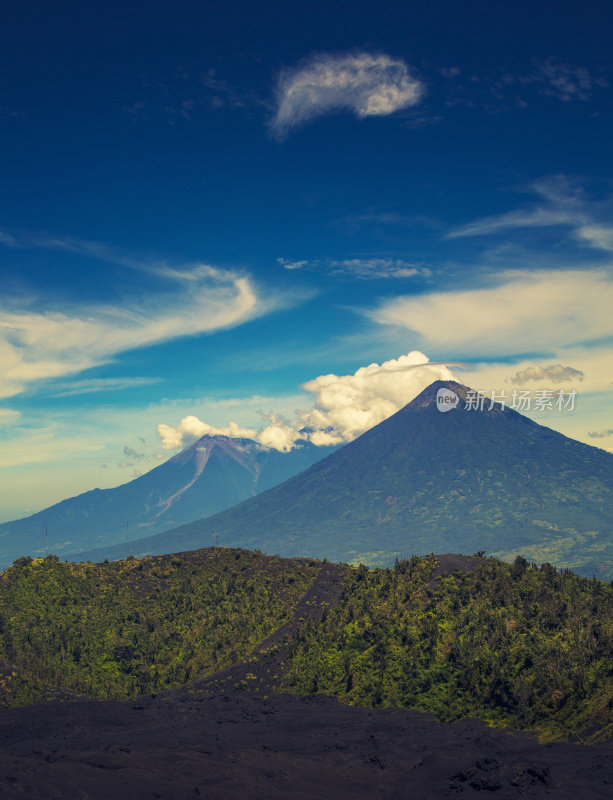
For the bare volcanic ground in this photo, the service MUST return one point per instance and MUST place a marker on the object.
(238, 745)
(231, 736)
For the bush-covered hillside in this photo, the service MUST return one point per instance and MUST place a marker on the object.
(517, 645)
(514, 644)
(130, 627)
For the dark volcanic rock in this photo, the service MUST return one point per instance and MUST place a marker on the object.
(235, 745)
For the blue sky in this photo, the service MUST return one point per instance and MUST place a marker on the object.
(271, 216)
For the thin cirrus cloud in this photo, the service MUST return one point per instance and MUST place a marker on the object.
(530, 218)
(44, 343)
(362, 268)
(95, 385)
(8, 416)
(366, 84)
(540, 311)
(560, 203)
(566, 82)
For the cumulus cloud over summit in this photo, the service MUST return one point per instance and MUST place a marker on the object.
(191, 428)
(344, 407)
(364, 83)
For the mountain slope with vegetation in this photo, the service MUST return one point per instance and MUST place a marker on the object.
(516, 645)
(129, 627)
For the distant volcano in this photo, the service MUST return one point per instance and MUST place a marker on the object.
(425, 481)
(210, 475)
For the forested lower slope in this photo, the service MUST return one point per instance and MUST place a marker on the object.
(129, 627)
(515, 644)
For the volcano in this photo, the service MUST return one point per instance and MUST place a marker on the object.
(473, 478)
(212, 474)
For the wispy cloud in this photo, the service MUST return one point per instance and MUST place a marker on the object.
(523, 312)
(603, 434)
(11, 112)
(8, 416)
(532, 218)
(560, 202)
(598, 236)
(353, 222)
(182, 95)
(563, 81)
(362, 268)
(555, 373)
(7, 239)
(40, 343)
(364, 83)
(92, 385)
(506, 90)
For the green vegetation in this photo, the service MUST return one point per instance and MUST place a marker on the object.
(513, 644)
(130, 627)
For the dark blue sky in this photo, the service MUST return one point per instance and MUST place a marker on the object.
(205, 206)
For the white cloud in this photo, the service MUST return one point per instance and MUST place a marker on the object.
(279, 433)
(362, 268)
(367, 84)
(344, 406)
(525, 312)
(555, 373)
(51, 343)
(347, 405)
(598, 236)
(291, 265)
(191, 428)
